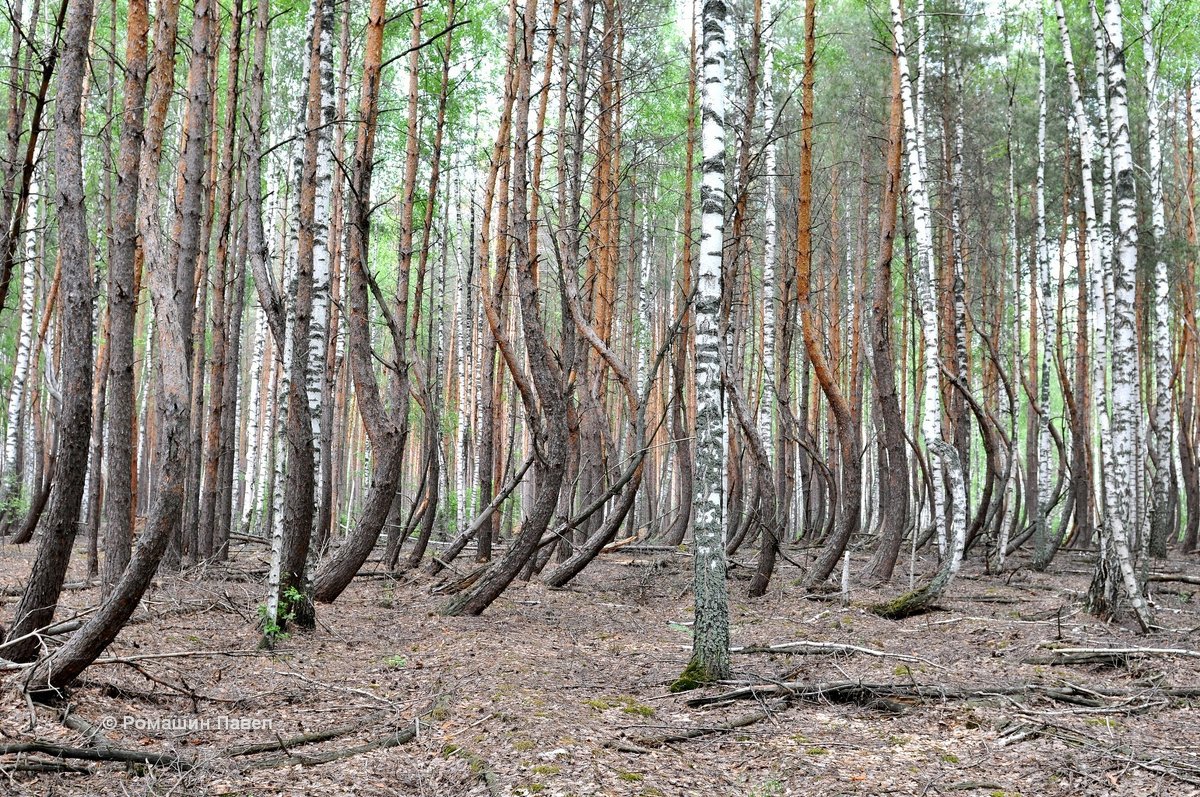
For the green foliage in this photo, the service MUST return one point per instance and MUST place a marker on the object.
(273, 629)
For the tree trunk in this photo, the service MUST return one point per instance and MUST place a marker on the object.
(710, 640)
(59, 523)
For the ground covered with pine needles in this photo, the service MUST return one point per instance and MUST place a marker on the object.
(1007, 689)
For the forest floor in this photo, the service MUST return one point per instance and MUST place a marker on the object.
(564, 692)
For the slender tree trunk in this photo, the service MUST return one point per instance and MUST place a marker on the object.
(893, 455)
(119, 510)
(943, 456)
(710, 640)
(1115, 565)
(1162, 520)
(547, 421)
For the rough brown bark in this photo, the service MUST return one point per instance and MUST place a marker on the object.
(59, 523)
(846, 430)
(893, 454)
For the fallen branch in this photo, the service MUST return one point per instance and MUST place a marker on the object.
(868, 694)
(1181, 579)
(742, 721)
(105, 753)
(393, 739)
(805, 648)
(302, 739)
(1067, 656)
(45, 766)
(1157, 763)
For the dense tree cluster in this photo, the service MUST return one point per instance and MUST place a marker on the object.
(521, 281)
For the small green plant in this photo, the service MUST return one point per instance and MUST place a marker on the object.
(285, 612)
(639, 709)
(523, 745)
(14, 506)
(816, 751)
(396, 662)
(632, 777)
(950, 758)
(272, 630)
(771, 788)
(546, 769)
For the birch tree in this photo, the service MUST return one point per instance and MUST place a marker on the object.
(1115, 566)
(1162, 419)
(710, 640)
(943, 456)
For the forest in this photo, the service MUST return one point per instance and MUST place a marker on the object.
(599, 397)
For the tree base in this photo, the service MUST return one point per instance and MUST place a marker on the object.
(694, 676)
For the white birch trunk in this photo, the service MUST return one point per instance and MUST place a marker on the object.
(251, 465)
(645, 302)
(1120, 484)
(710, 647)
(943, 457)
(1046, 311)
(16, 393)
(1161, 523)
(1096, 259)
(318, 342)
(766, 406)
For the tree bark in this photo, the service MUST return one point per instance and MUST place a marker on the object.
(59, 523)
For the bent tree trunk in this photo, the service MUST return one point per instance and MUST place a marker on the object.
(549, 424)
(847, 433)
(59, 523)
(122, 308)
(62, 667)
(943, 456)
(385, 436)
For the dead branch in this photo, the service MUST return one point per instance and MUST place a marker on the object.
(741, 721)
(1182, 770)
(304, 738)
(868, 694)
(805, 648)
(105, 753)
(394, 738)
(1181, 579)
(45, 766)
(1059, 656)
